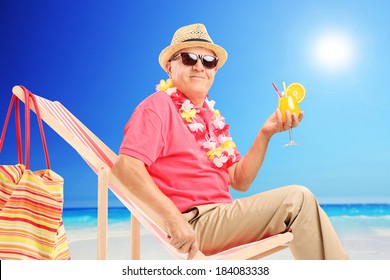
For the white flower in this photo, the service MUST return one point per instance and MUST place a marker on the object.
(187, 106)
(219, 161)
(211, 104)
(169, 91)
(210, 144)
(222, 138)
(195, 127)
(219, 122)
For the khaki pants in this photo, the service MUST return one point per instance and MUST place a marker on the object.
(291, 208)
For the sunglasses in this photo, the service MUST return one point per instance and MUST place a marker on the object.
(190, 59)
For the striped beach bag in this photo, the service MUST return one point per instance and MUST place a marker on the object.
(31, 202)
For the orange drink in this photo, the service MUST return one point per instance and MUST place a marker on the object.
(288, 103)
(293, 95)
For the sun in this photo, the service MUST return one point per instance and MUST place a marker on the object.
(334, 51)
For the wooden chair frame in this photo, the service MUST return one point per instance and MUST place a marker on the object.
(101, 159)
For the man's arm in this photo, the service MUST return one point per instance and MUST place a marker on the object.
(135, 180)
(245, 171)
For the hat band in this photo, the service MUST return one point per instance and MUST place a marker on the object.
(200, 40)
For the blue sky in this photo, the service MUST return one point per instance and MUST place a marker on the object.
(99, 59)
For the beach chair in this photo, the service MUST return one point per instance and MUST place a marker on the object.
(101, 159)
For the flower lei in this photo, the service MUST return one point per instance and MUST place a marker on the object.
(216, 140)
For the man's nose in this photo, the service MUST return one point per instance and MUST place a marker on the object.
(198, 65)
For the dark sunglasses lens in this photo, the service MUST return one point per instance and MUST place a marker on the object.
(209, 61)
(189, 59)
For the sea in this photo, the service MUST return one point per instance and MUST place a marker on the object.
(380, 213)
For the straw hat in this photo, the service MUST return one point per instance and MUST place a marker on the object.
(194, 35)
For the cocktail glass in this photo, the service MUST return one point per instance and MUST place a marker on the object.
(288, 102)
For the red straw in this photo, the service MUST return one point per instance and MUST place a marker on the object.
(280, 95)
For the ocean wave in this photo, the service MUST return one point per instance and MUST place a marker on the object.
(369, 217)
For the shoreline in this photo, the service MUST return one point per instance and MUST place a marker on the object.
(363, 239)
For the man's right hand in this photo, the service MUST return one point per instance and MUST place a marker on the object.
(182, 236)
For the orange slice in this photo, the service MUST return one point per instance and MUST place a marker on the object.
(297, 90)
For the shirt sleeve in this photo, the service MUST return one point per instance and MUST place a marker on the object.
(142, 136)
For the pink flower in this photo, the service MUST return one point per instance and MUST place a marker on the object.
(222, 131)
(177, 98)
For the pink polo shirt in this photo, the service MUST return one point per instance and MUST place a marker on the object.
(157, 135)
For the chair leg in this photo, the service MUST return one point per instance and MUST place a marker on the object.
(102, 213)
(135, 238)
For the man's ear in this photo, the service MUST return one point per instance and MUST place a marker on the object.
(168, 67)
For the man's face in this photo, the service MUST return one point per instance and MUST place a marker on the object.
(193, 81)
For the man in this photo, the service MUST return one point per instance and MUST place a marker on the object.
(177, 156)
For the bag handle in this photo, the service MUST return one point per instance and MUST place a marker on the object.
(27, 96)
(17, 124)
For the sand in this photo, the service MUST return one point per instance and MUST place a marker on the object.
(362, 242)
